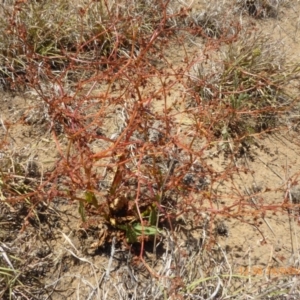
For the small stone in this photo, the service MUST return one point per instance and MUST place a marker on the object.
(222, 229)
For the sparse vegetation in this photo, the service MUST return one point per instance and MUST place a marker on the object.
(128, 103)
(246, 83)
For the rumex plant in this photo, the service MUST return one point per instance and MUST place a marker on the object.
(135, 133)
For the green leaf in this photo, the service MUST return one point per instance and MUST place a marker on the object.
(91, 198)
(145, 230)
(136, 230)
(153, 216)
(131, 235)
(81, 211)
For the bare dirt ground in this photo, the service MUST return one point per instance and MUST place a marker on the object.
(60, 254)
